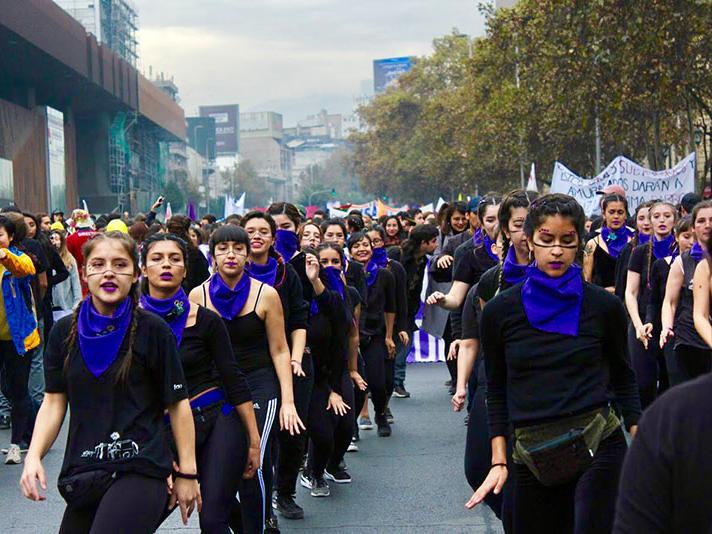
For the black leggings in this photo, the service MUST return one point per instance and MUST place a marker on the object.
(374, 355)
(585, 505)
(692, 361)
(134, 503)
(291, 448)
(329, 434)
(648, 365)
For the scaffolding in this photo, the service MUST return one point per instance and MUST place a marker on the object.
(119, 23)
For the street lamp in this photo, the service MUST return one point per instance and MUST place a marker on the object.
(319, 193)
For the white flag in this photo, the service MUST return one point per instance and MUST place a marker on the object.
(84, 205)
(169, 211)
(240, 205)
(531, 185)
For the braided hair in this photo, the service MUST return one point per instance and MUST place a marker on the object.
(129, 246)
(515, 199)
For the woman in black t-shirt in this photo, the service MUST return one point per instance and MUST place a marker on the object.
(219, 395)
(118, 369)
(376, 330)
(555, 358)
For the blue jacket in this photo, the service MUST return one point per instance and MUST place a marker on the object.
(17, 298)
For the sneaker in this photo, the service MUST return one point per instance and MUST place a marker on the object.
(320, 488)
(448, 383)
(272, 526)
(288, 508)
(340, 476)
(384, 429)
(352, 447)
(14, 456)
(389, 416)
(364, 423)
(305, 481)
(5, 422)
(356, 436)
(451, 390)
(400, 392)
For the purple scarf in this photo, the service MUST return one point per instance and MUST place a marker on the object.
(266, 273)
(643, 238)
(487, 244)
(380, 257)
(173, 310)
(334, 283)
(616, 240)
(663, 248)
(512, 272)
(371, 272)
(100, 337)
(477, 238)
(286, 243)
(696, 252)
(553, 304)
(229, 302)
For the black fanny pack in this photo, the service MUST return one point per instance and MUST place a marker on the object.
(85, 489)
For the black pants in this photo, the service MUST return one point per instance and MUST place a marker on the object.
(329, 433)
(647, 366)
(134, 503)
(374, 355)
(447, 341)
(14, 377)
(291, 448)
(692, 361)
(390, 369)
(585, 505)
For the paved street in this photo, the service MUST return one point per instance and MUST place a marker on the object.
(412, 482)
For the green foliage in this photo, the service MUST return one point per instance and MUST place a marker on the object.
(461, 119)
(174, 195)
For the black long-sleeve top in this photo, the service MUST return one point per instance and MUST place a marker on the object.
(414, 275)
(208, 361)
(197, 270)
(401, 322)
(291, 294)
(535, 376)
(381, 300)
(299, 262)
(356, 277)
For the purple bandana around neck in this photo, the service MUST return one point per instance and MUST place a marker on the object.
(487, 244)
(512, 272)
(229, 302)
(173, 310)
(371, 272)
(266, 273)
(553, 304)
(664, 247)
(616, 240)
(334, 283)
(696, 252)
(643, 238)
(477, 237)
(286, 243)
(100, 337)
(380, 257)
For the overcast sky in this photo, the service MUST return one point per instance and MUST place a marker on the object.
(289, 56)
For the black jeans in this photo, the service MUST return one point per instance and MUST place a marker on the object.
(583, 506)
(14, 377)
(134, 503)
(692, 362)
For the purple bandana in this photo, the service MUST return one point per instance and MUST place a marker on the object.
(333, 282)
(487, 244)
(229, 302)
(512, 272)
(616, 240)
(100, 337)
(477, 238)
(553, 304)
(380, 257)
(664, 247)
(643, 238)
(266, 273)
(174, 310)
(696, 252)
(372, 269)
(286, 243)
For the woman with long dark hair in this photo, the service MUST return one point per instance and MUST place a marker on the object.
(198, 271)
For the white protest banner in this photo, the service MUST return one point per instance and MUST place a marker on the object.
(639, 183)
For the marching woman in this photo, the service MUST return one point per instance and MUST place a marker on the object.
(334, 231)
(226, 436)
(253, 315)
(643, 230)
(333, 338)
(647, 358)
(377, 322)
(309, 235)
(393, 230)
(693, 355)
(117, 368)
(558, 330)
(602, 252)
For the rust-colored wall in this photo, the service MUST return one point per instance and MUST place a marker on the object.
(70, 161)
(158, 107)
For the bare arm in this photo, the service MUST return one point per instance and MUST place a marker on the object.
(454, 298)
(588, 260)
(701, 298)
(390, 344)
(466, 357)
(497, 475)
(672, 297)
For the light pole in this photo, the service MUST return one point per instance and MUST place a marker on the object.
(318, 193)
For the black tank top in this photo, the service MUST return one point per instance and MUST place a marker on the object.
(248, 337)
(684, 327)
(604, 267)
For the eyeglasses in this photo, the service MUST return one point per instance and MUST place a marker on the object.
(264, 232)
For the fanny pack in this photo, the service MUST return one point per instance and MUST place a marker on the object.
(559, 451)
(85, 489)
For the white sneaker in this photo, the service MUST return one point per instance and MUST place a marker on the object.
(352, 447)
(305, 481)
(364, 423)
(14, 456)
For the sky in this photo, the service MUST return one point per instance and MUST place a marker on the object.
(289, 56)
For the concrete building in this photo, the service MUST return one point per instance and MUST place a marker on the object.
(107, 132)
(227, 132)
(322, 124)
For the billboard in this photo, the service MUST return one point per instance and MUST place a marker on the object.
(387, 71)
(227, 127)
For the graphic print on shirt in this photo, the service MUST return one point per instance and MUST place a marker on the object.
(116, 450)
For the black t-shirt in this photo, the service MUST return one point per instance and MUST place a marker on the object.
(401, 323)
(658, 282)
(470, 266)
(534, 376)
(291, 294)
(208, 361)
(381, 300)
(327, 337)
(118, 427)
(665, 485)
(640, 261)
(471, 315)
(356, 277)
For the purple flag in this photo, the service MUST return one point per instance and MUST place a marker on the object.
(191, 211)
